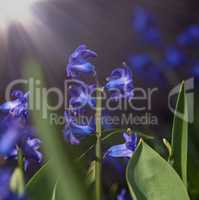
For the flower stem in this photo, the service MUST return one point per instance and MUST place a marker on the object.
(20, 159)
(98, 151)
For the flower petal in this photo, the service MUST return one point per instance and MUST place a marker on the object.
(119, 151)
(78, 62)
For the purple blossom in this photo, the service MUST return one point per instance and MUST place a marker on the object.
(195, 70)
(174, 57)
(123, 150)
(139, 61)
(5, 175)
(9, 136)
(142, 20)
(120, 83)
(5, 193)
(14, 137)
(30, 148)
(144, 24)
(189, 37)
(74, 131)
(80, 96)
(13, 196)
(122, 195)
(18, 107)
(78, 62)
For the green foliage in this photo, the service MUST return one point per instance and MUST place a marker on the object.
(98, 147)
(180, 136)
(54, 192)
(39, 186)
(193, 154)
(150, 177)
(17, 182)
(61, 167)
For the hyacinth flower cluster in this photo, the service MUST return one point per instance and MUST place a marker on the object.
(119, 85)
(171, 55)
(17, 138)
(81, 96)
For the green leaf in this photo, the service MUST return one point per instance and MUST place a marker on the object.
(61, 166)
(150, 177)
(17, 182)
(179, 142)
(35, 187)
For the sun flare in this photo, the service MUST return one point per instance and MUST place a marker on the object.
(15, 11)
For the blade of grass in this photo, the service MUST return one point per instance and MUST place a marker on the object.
(60, 165)
(180, 136)
(98, 148)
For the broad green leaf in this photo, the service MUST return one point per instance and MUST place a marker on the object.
(17, 182)
(35, 187)
(150, 177)
(193, 158)
(180, 136)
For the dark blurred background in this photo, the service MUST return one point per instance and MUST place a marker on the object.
(105, 26)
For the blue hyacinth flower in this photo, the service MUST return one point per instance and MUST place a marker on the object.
(79, 62)
(9, 136)
(13, 196)
(5, 175)
(31, 151)
(5, 193)
(139, 61)
(123, 150)
(80, 96)
(174, 57)
(141, 19)
(195, 70)
(122, 195)
(120, 83)
(14, 136)
(74, 131)
(19, 106)
(189, 37)
(144, 24)
(30, 148)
